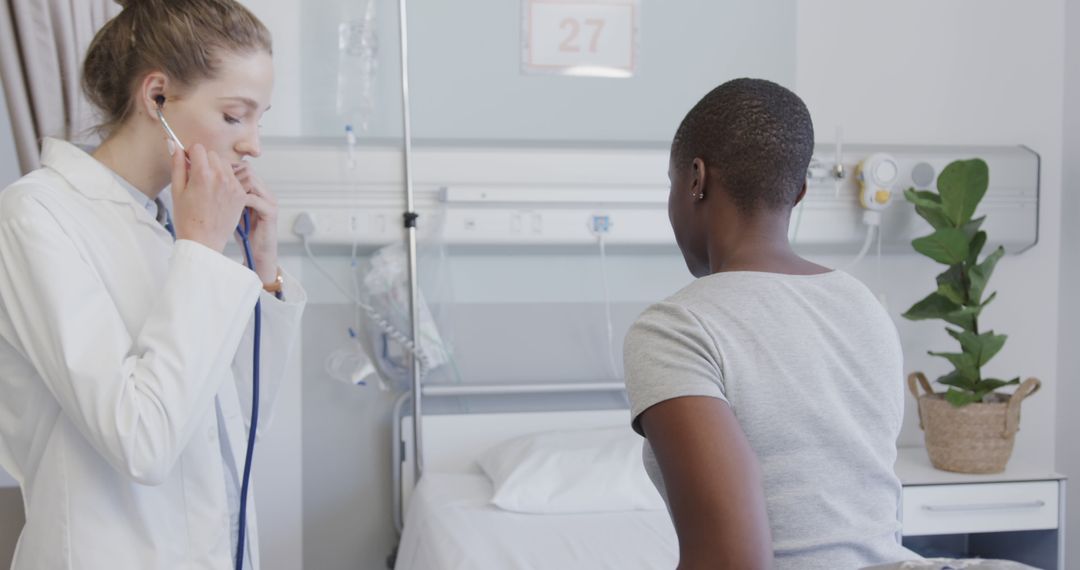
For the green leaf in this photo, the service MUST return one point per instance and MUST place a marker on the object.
(980, 274)
(991, 384)
(951, 292)
(964, 363)
(981, 347)
(948, 246)
(937, 218)
(964, 317)
(923, 198)
(990, 345)
(934, 306)
(952, 285)
(976, 247)
(962, 185)
(958, 380)
(960, 398)
(928, 205)
(972, 228)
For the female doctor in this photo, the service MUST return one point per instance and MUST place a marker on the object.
(126, 353)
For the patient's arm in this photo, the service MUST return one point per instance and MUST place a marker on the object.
(713, 484)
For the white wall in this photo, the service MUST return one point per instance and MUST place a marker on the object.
(960, 72)
(1068, 425)
(283, 19)
(464, 69)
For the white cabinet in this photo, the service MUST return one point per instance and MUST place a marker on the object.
(1016, 515)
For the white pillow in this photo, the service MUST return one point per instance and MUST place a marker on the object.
(580, 471)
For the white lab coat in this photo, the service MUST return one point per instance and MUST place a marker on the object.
(119, 349)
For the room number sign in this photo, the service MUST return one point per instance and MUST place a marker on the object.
(593, 38)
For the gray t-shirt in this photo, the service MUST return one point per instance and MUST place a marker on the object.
(812, 367)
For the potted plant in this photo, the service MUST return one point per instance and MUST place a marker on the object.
(970, 428)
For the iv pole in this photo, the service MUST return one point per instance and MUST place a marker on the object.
(410, 217)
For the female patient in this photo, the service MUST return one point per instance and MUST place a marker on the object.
(769, 390)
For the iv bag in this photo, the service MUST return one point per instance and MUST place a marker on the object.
(358, 52)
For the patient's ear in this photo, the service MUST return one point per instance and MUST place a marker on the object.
(802, 194)
(698, 179)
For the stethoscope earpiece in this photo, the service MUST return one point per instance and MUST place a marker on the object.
(173, 141)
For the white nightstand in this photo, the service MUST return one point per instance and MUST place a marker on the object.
(1016, 515)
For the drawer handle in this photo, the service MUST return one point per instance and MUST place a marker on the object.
(985, 507)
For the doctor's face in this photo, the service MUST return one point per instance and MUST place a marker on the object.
(223, 113)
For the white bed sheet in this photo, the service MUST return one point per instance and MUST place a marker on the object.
(451, 525)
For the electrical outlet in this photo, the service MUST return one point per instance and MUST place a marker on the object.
(600, 224)
(304, 224)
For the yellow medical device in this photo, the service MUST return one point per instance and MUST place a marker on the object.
(877, 175)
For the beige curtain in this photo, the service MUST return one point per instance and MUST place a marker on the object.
(42, 43)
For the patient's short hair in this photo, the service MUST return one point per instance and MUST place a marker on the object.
(756, 137)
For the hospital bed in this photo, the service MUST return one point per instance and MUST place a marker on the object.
(448, 521)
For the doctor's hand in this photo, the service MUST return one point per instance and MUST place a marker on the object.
(263, 208)
(207, 198)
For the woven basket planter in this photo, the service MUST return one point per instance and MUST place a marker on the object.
(976, 438)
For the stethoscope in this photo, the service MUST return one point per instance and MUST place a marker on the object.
(242, 230)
